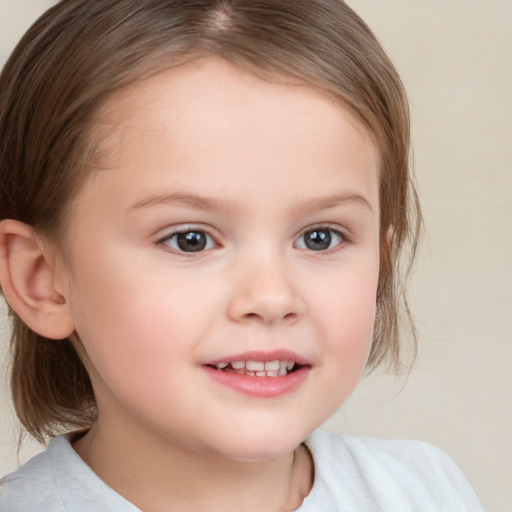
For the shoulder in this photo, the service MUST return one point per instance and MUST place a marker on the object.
(392, 454)
(58, 480)
(391, 475)
(32, 487)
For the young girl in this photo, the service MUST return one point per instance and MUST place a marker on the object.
(203, 204)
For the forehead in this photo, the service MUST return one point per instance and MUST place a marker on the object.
(200, 88)
(210, 118)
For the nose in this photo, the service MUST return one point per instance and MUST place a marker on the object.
(264, 291)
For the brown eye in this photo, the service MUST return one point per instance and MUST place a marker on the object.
(189, 241)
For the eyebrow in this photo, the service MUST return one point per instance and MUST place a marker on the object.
(197, 202)
(324, 203)
(181, 199)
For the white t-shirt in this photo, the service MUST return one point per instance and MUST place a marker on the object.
(352, 474)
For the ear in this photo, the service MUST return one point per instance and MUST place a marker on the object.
(27, 276)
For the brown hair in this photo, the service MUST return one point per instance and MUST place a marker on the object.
(80, 51)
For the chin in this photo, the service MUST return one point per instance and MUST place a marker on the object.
(260, 446)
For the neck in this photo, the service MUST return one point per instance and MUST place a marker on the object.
(175, 478)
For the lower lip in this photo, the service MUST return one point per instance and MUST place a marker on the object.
(264, 387)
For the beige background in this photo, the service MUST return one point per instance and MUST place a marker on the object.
(455, 57)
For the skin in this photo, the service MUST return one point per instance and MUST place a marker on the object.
(148, 316)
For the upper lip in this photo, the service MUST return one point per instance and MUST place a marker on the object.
(262, 355)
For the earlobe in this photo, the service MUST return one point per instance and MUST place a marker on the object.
(27, 277)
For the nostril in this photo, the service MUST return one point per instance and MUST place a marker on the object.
(265, 307)
(287, 316)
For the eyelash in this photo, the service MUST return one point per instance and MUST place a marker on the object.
(343, 237)
(164, 241)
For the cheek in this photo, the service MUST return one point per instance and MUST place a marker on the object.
(344, 316)
(137, 325)
(347, 314)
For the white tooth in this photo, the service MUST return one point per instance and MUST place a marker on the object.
(282, 365)
(252, 374)
(272, 373)
(221, 365)
(272, 365)
(255, 366)
(238, 365)
(261, 374)
(282, 371)
(290, 365)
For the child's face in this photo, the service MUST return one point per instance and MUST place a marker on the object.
(274, 191)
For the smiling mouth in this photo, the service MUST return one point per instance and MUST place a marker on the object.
(276, 368)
